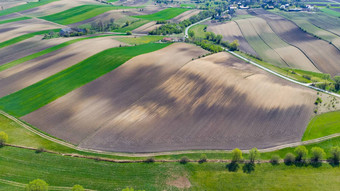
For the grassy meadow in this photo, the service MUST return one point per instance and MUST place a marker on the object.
(140, 40)
(132, 26)
(39, 94)
(198, 30)
(163, 15)
(80, 13)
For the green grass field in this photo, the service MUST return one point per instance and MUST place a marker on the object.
(323, 125)
(24, 37)
(80, 13)
(199, 30)
(14, 20)
(330, 12)
(25, 7)
(37, 95)
(132, 26)
(22, 166)
(163, 15)
(140, 40)
(43, 52)
(186, 5)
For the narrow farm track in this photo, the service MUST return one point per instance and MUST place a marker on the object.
(150, 154)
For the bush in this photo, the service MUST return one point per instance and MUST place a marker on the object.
(233, 167)
(289, 159)
(150, 160)
(275, 160)
(236, 155)
(3, 138)
(203, 158)
(37, 185)
(301, 153)
(184, 160)
(40, 150)
(317, 154)
(77, 188)
(128, 33)
(248, 168)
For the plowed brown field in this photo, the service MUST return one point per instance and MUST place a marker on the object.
(30, 72)
(185, 15)
(156, 102)
(230, 32)
(324, 56)
(147, 27)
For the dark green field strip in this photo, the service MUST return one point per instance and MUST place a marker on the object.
(46, 51)
(163, 15)
(80, 13)
(24, 37)
(33, 97)
(25, 7)
(132, 26)
(14, 20)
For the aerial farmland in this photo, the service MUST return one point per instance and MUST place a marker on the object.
(169, 95)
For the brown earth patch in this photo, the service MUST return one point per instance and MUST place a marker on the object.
(157, 103)
(145, 29)
(185, 15)
(230, 32)
(180, 182)
(30, 72)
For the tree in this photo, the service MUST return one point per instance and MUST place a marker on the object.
(236, 155)
(203, 158)
(234, 45)
(3, 138)
(337, 82)
(335, 154)
(218, 39)
(128, 33)
(317, 154)
(77, 187)
(127, 23)
(37, 185)
(301, 153)
(191, 34)
(184, 160)
(253, 155)
(289, 159)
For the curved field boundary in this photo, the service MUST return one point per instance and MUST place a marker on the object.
(46, 51)
(80, 13)
(45, 136)
(14, 20)
(24, 37)
(25, 7)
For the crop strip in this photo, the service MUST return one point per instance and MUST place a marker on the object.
(25, 7)
(14, 20)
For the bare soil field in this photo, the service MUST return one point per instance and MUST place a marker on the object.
(10, 16)
(15, 29)
(289, 54)
(80, 113)
(28, 47)
(56, 7)
(185, 15)
(6, 4)
(230, 32)
(30, 72)
(147, 27)
(324, 56)
(169, 105)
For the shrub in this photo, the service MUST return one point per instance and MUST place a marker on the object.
(275, 160)
(128, 33)
(3, 138)
(236, 155)
(335, 155)
(253, 155)
(301, 153)
(77, 188)
(203, 158)
(184, 160)
(248, 168)
(150, 160)
(40, 150)
(233, 167)
(317, 154)
(37, 185)
(289, 159)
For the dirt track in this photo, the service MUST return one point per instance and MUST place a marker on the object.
(325, 56)
(30, 72)
(230, 32)
(191, 109)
